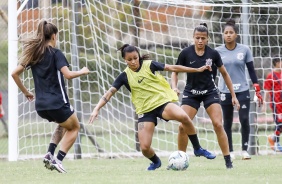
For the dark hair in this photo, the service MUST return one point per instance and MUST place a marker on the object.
(34, 48)
(126, 48)
(203, 27)
(232, 24)
(276, 58)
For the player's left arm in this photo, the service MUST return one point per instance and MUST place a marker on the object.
(254, 79)
(229, 85)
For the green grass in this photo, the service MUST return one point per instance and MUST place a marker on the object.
(260, 169)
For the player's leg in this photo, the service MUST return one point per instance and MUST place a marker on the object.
(71, 126)
(278, 128)
(174, 112)
(55, 139)
(245, 127)
(215, 113)
(145, 136)
(227, 111)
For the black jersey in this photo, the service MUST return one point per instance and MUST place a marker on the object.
(203, 82)
(50, 91)
(122, 78)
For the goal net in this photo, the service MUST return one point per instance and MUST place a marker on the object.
(91, 31)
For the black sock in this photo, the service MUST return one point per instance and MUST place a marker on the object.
(61, 155)
(195, 141)
(155, 159)
(52, 148)
(227, 158)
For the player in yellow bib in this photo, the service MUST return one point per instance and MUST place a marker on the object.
(151, 95)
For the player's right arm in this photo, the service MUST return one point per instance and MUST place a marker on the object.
(16, 76)
(119, 81)
(105, 98)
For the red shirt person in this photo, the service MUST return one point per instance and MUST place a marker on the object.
(273, 95)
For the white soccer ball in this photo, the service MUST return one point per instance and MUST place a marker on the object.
(178, 161)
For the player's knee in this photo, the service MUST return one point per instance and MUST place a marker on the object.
(184, 118)
(218, 126)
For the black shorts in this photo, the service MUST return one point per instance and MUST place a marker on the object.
(57, 115)
(226, 98)
(195, 100)
(152, 115)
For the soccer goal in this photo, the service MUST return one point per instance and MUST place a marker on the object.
(91, 31)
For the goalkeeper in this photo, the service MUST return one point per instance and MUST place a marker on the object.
(235, 58)
(49, 67)
(152, 97)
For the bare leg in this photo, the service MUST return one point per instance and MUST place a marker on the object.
(145, 135)
(215, 113)
(182, 136)
(57, 135)
(71, 126)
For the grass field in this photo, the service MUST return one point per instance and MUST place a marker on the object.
(258, 170)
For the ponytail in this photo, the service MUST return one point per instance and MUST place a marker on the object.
(34, 48)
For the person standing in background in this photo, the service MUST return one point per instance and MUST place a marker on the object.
(235, 58)
(273, 95)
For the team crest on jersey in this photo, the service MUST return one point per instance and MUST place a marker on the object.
(209, 62)
(240, 56)
(222, 97)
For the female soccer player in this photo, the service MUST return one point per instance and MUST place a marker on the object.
(49, 67)
(200, 87)
(273, 95)
(152, 96)
(235, 58)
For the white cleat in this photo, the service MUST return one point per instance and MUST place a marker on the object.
(245, 155)
(58, 166)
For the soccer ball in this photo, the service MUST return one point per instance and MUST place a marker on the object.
(178, 161)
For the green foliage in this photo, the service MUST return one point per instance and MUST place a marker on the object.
(265, 26)
(4, 52)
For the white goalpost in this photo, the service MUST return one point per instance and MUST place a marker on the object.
(91, 31)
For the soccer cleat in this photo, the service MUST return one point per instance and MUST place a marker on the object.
(277, 147)
(154, 166)
(232, 156)
(271, 141)
(48, 158)
(58, 166)
(229, 165)
(205, 153)
(245, 155)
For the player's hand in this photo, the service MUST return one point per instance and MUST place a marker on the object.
(29, 96)
(94, 115)
(176, 90)
(236, 103)
(258, 94)
(203, 68)
(85, 70)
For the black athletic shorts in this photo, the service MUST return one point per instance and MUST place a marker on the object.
(152, 115)
(226, 98)
(57, 115)
(195, 100)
